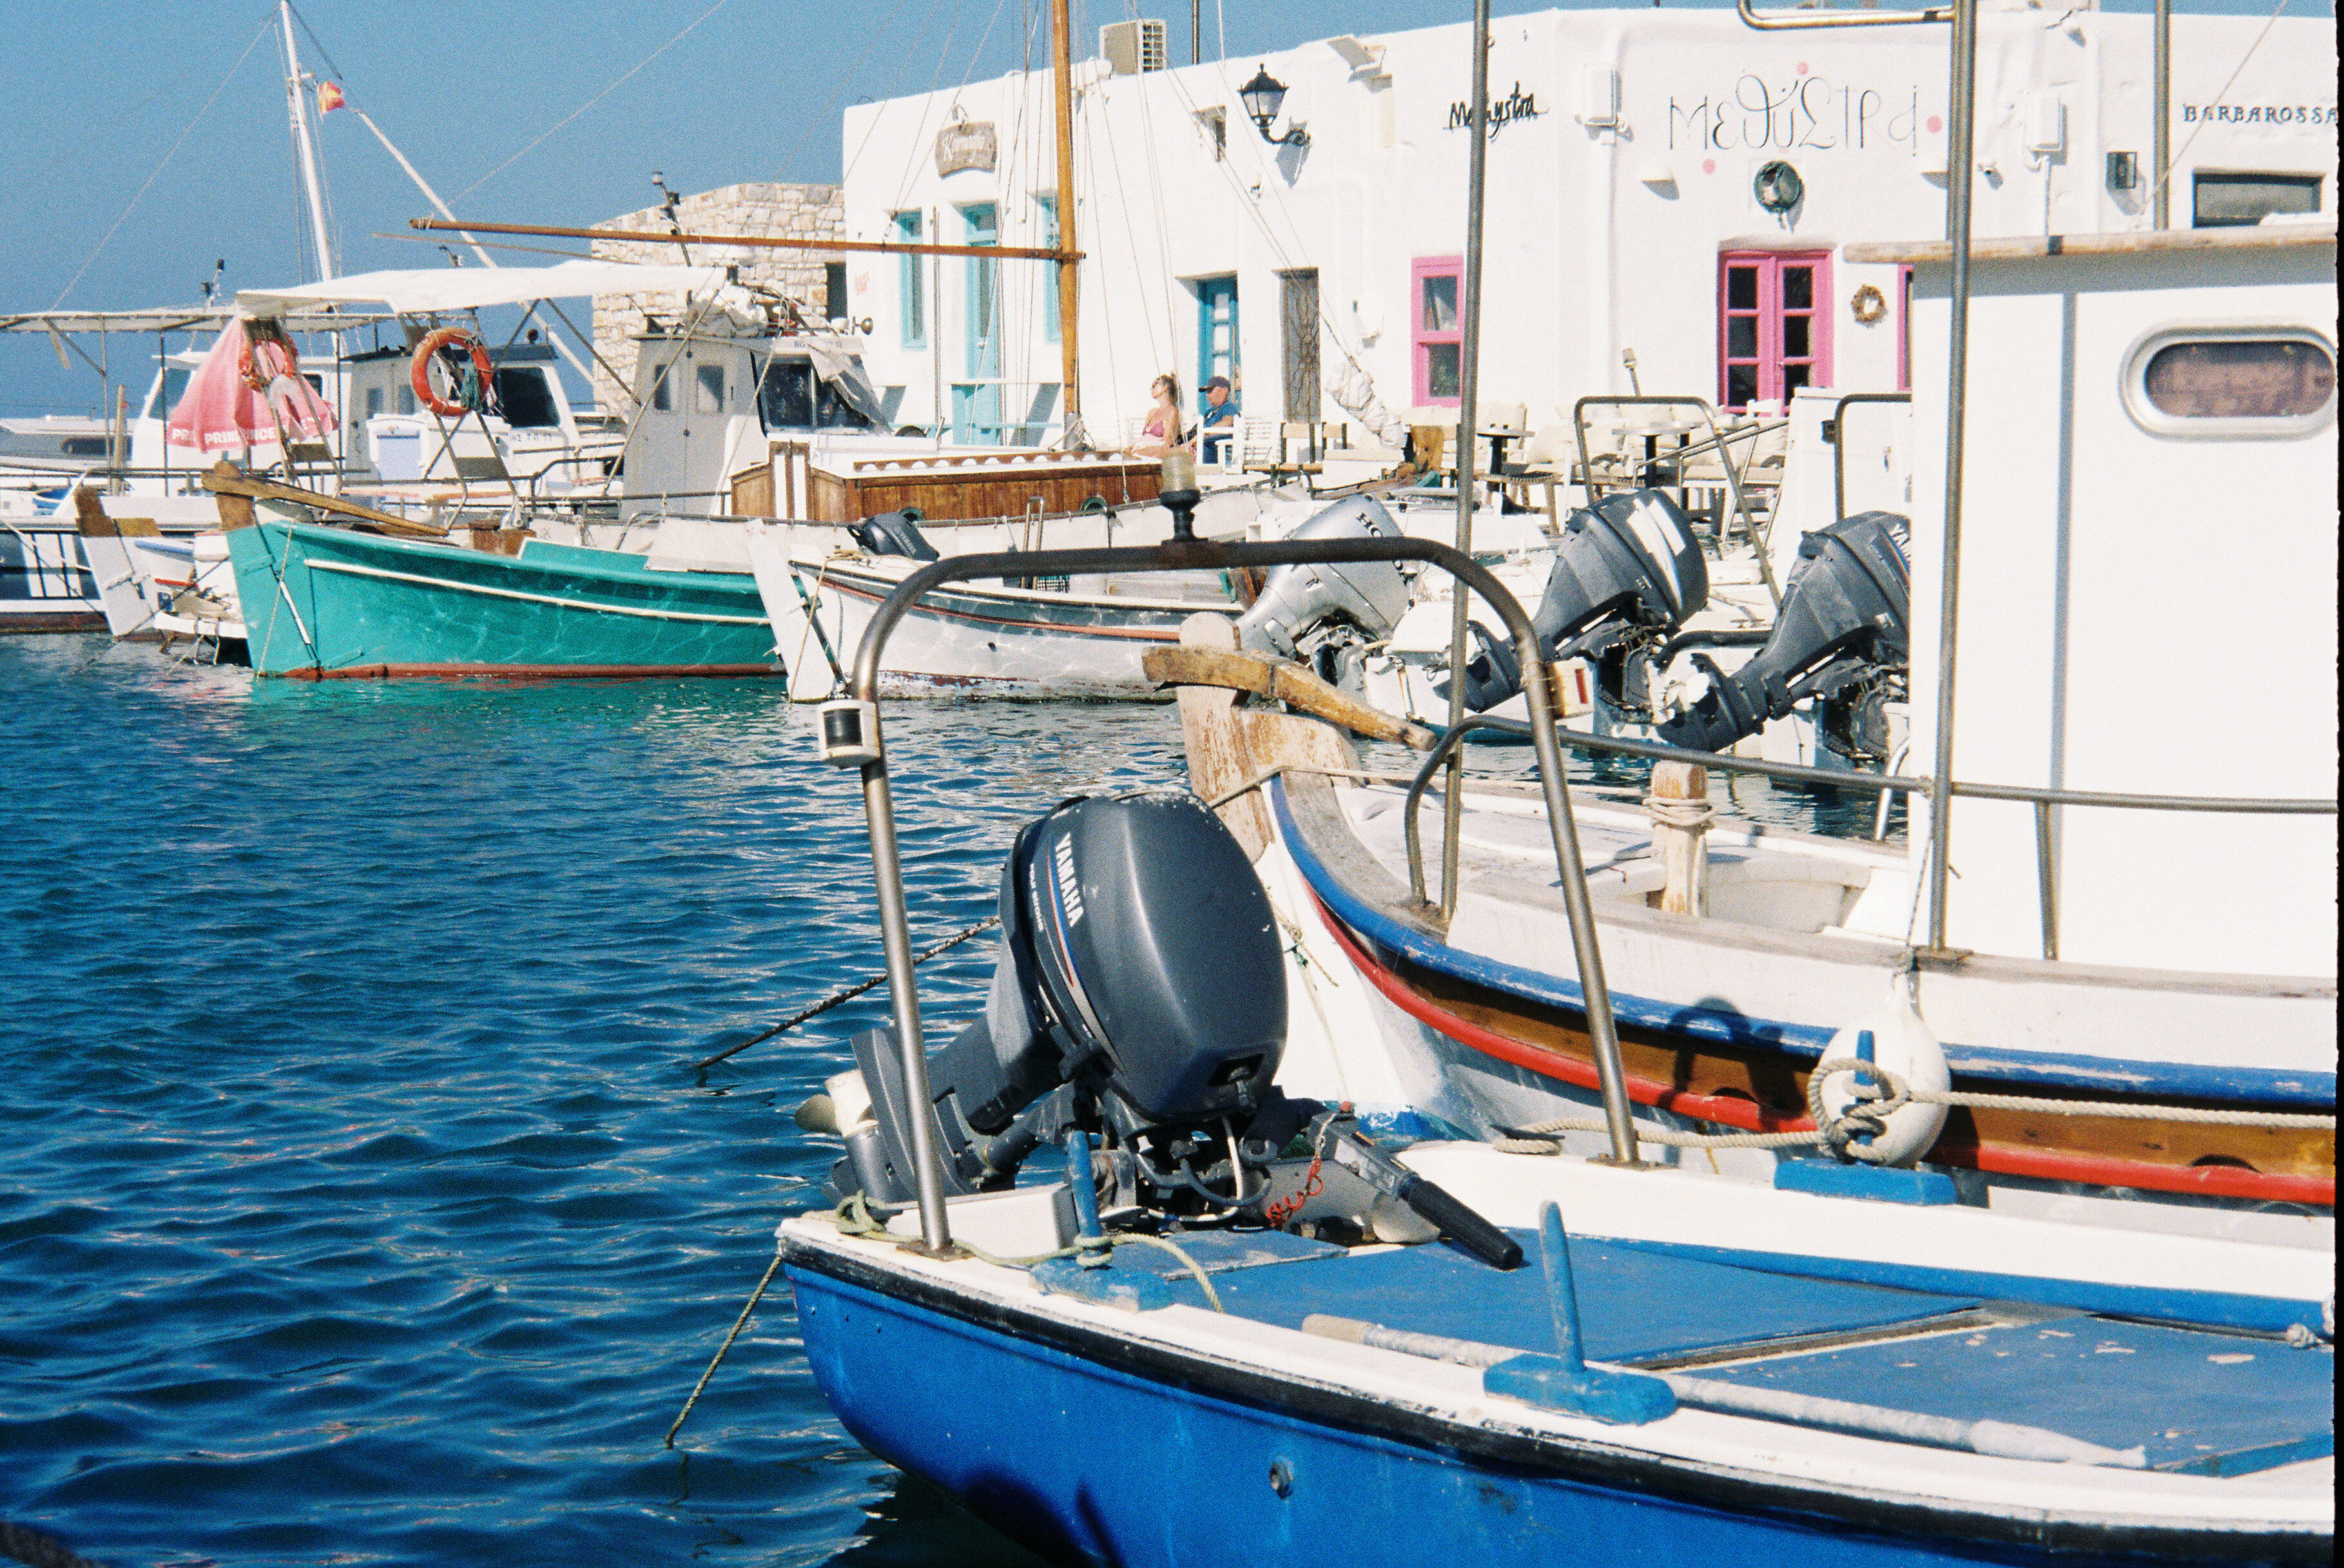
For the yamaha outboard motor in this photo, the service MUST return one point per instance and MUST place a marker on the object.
(1140, 992)
(1841, 638)
(1628, 573)
(894, 533)
(1325, 615)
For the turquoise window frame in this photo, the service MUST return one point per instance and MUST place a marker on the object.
(911, 284)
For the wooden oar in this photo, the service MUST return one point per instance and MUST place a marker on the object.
(224, 478)
(1292, 684)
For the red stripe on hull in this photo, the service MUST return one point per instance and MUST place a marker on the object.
(2213, 1180)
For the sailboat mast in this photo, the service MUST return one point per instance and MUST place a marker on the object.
(1062, 70)
(296, 105)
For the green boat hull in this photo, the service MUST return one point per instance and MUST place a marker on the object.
(325, 602)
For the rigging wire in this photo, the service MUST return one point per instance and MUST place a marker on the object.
(259, 34)
(935, 83)
(115, 123)
(623, 76)
(846, 80)
(911, 52)
(2173, 164)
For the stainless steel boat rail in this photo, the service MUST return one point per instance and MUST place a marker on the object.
(1193, 555)
(1825, 17)
(2047, 870)
(1763, 548)
(1839, 442)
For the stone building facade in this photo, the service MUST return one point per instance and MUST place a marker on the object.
(814, 280)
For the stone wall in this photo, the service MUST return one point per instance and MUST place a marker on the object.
(761, 209)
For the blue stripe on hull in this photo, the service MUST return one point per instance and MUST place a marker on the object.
(2188, 1081)
(1083, 1461)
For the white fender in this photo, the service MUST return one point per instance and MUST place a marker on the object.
(1903, 1044)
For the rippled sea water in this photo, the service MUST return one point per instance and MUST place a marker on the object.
(358, 1200)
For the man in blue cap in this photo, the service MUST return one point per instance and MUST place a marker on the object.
(1218, 419)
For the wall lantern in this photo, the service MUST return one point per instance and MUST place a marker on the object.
(1262, 97)
(1778, 186)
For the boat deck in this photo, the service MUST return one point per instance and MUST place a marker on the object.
(2199, 1400)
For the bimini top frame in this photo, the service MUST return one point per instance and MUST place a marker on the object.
(851, 736)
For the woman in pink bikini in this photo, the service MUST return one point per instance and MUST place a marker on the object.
(1161, 433)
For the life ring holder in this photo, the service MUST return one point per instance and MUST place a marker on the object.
(420, 369)
(261, 371)
(1867, 305)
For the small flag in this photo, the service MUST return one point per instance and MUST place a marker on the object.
(329, 97)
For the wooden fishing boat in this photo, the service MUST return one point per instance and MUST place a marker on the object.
(323, 602)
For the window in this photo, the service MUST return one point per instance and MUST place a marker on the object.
(1436, 341)
(833, 291)
(373, 401)
(2231, 381)
(524, 398)
(1047, 211)
(1773, 325)
(407, 397)
(708, 381)
(911, 283)
(662, 383)
(1217, 331)
(785, 397)
(2225, 200)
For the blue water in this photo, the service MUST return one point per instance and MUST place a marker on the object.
(359, 1202)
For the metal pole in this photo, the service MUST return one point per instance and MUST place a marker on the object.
(1196, 32)
(2161, 136)
(1960, 174)
(895, 938)
(298, 107)
(1062, 69)
(1470, 369)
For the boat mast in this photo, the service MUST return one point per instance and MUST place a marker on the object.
(296, 105)
(1062, 70)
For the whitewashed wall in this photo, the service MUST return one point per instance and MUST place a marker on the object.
(1600, 239)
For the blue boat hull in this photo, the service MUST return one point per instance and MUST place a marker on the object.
(1089, 1446)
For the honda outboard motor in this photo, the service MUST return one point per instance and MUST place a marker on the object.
(1629, 573)
(1140, 992)
(1325, 615)
(894, 533)
(1841, 637)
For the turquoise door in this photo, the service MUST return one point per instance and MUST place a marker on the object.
(976, 402)
(1216, 334)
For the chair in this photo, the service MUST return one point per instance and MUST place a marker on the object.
(1257, 448)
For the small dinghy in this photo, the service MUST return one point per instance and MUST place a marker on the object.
(1095, 1268)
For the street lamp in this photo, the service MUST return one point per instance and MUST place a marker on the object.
(1261, 98)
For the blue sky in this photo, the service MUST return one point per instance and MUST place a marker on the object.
(101, 211)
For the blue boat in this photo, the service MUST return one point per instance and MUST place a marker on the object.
(1091, 1270)
(321, 602)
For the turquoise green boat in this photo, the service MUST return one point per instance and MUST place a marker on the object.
(324, 602)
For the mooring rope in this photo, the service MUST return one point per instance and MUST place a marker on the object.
(853, 1218)
(846, 993)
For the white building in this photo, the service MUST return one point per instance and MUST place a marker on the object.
(1625, 214)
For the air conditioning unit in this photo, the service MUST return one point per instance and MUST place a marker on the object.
(1133, 47)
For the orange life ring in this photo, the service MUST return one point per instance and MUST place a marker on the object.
(259, 371)
(420, 371)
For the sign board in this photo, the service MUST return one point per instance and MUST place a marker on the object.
(969, 144)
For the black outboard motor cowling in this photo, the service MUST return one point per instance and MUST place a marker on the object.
(894, 533)
(1840, 636)
(1629, 573)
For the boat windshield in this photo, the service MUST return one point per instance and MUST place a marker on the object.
(790, 395)
(524, 398)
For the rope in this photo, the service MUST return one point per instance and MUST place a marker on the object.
(852, 1218)
(846, 993)
(1840, 1133)
(1693, 816)
(741, 1322)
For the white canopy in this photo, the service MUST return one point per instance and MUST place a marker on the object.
(436, 289)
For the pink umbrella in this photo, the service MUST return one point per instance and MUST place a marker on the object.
(220, 411)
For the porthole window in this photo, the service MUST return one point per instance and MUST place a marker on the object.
(2231, 381)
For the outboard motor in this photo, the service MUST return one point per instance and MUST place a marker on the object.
(1325, 615)
(894, 533)
(1628, 573)
(1140, 992)
(1841, 638)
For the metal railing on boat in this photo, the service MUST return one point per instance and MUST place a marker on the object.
(2042, 799)
(1183, 552)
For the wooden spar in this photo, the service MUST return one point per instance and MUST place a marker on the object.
(224, 480)
(1062, 71)
(758, 241)
(1202, 665)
